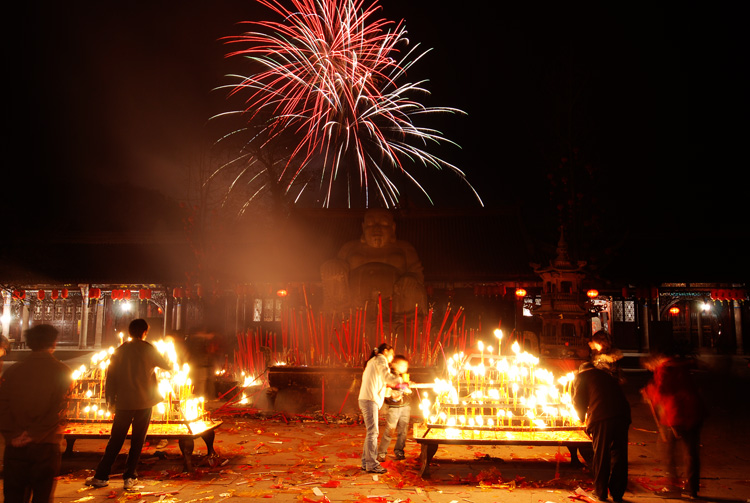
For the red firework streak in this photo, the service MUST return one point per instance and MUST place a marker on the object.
(329, 74)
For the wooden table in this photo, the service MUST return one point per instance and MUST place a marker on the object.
(430, 438)
(100, 430)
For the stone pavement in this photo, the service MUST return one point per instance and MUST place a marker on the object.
(305, 459)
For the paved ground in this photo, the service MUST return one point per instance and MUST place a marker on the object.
(302, 459)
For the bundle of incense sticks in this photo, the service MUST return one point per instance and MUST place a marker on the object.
(317, 339)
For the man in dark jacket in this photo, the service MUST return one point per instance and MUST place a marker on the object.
(131, 389)
(32, 408)
(598, 397)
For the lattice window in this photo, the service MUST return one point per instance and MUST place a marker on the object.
(630, 311)
(618, 310)
(623, 311)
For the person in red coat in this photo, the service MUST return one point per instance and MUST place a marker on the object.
(679, 412)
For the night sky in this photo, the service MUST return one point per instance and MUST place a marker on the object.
(109, 99)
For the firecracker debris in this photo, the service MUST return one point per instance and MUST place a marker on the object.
(315, 458)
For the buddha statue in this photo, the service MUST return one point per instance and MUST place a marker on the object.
(377, 264)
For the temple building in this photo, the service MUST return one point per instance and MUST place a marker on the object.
(481, 261)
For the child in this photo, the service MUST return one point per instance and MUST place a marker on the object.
(398, 410)
(375, 378)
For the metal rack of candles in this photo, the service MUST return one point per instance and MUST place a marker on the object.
(495, 398)
(178, 414)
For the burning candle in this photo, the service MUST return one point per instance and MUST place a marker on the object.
(499, 335)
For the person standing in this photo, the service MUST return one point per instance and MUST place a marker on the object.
(32, 407)
(680, 412)
(598, 397)
(131, 389)
(398, 411)
(376, 377)
(605, 356)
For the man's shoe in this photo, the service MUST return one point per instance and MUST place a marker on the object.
(378, 469)
(95, 482)
(380, 458)
(399, 456)
(129, 484)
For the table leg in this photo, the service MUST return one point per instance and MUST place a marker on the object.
(208, 438)
(186, 447)
(425, 456)
(212, 458)
(69, 446)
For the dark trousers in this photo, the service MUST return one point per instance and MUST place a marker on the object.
(139, 419)
(690, 439)
(30, 473)
(610, 463)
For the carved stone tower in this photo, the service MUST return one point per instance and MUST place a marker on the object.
(563, 308)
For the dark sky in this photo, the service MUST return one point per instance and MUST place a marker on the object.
(653, 97)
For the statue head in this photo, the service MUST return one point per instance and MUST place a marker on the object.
(378, 228)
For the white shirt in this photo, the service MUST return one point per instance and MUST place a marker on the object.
(376, 376)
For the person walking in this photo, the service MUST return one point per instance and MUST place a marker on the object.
(32, 407)
(599, 398)
(680, 412)
(376, 377)
(131, 389)
(398, 411)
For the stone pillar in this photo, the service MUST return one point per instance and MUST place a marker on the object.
(645, 344)
(738, 327)
(5, 329)
(178, 315)
(167, 315)
(99, 323)
(83, 332)
(25, 318)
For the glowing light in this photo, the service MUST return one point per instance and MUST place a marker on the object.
(520, 292)
(592, 294)
(674, 310)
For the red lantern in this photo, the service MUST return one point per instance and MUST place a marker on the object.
(177, 293)
(144, 294)
(116, 294)
(64, 293)
(94, 293)
(125, 294)
(40, 295)
(54, 294)
(19, 294)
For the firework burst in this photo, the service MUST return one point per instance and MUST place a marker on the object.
(328, 76)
